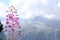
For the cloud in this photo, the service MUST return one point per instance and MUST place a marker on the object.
(25, 10)
(44, 2)
(24, 7)
(27, 15)
(49, 16)
(2, 10)
(58, 4)
(14, 2)
(30, 13)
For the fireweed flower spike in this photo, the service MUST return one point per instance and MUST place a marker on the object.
(12, 22)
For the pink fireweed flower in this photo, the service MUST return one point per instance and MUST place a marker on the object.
(10, 16)
(12, 23)
(9, 26)
(7, 22)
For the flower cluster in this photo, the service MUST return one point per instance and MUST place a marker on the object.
(12, 21)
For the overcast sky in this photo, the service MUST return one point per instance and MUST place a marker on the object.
(29, 9)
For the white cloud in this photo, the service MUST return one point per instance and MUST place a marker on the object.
(44, 14)
(2, 6)
(27, 15)
(49, 16)
(25, 11)
(58, 4)
(45, 2)
(2, 10)
(14, 2)
(23, 8)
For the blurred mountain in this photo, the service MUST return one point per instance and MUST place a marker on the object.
(33, 30)
(48, 22)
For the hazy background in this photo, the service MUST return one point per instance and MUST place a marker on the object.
(40, 19)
